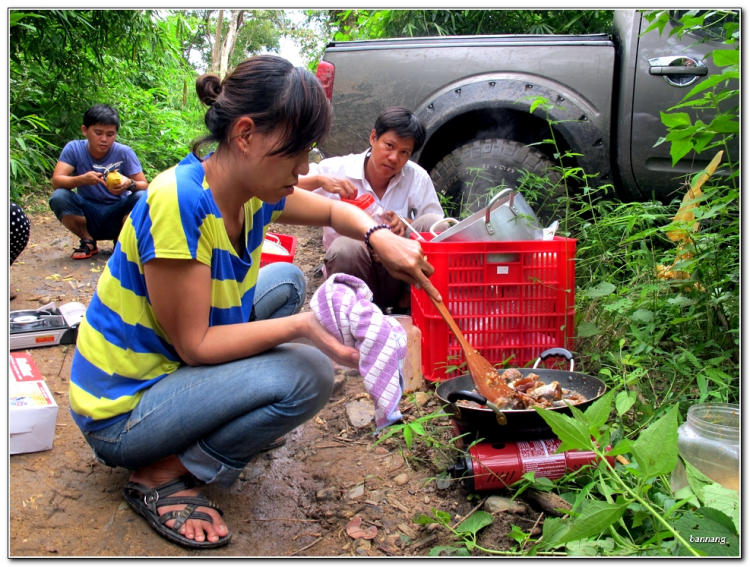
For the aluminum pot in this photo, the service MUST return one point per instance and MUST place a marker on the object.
(511, 219)
(492, 424)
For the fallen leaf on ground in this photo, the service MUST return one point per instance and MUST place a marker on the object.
(355, 531)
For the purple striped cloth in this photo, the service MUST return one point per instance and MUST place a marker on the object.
(343, 305)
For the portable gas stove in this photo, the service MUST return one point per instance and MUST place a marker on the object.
(46, 326)
(495, 465)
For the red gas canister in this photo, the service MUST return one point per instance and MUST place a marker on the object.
(494, 466)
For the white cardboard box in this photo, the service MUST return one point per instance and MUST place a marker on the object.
(33, 411)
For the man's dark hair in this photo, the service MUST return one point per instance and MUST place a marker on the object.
(101, 114)
(404, 124)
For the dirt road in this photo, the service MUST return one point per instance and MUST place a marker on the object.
(295, 501)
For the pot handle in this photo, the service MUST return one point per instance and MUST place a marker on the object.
(273, 238)
(453, 397)
(488, 210)
(550, 352)
(449, 219)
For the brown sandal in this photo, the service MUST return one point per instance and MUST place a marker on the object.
(86, 250)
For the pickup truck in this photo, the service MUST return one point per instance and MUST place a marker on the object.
(473, 94)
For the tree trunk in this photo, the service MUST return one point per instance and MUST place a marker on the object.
(217, 44)
(228, 47)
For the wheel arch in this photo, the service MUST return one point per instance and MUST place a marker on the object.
(495, 106)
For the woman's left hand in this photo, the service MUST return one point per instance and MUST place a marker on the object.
(404, 259)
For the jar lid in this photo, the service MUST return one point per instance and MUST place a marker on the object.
(363, 201)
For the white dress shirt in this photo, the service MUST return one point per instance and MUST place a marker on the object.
(410, 192)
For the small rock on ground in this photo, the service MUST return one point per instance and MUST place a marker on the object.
(356, 492)
(328, 493)
(360, 413)
(401, 479)
(496, 504)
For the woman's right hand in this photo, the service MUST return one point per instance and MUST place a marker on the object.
(313, 330)
(404, 260)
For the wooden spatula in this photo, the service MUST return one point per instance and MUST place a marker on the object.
(481, 370)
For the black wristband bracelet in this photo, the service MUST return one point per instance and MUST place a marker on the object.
(371, 230)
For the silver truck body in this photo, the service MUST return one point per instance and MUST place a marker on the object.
(479, 87)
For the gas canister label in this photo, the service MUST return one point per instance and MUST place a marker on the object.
(538, 456)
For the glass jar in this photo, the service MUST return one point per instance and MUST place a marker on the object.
(710, 441)
(412, 371)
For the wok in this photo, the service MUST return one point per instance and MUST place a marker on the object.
(492, 424)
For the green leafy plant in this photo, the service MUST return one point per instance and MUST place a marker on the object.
(686, 135)
(633, 504)
(465, 533)
(30, 153)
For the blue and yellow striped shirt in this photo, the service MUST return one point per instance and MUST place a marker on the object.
(121, 349)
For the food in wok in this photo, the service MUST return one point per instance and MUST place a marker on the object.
(530, 392)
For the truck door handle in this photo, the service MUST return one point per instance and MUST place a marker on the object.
(702, 71)
(678, 70)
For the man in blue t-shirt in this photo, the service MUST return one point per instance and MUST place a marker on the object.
(95, 211)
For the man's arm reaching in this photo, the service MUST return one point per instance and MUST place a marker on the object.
(340, 186)
(62, 178)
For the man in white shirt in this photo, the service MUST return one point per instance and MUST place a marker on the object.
(398, 185)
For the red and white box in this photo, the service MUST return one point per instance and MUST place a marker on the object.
(33, 410)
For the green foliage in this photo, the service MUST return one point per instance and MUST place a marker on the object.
(427, 437)
(352, 24)
(130, 59)
(715, 91)
(634, 504)
(29, 152)
(376, 24)
(465, 532)
(661, 345)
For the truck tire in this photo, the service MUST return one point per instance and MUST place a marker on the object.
(465, 176)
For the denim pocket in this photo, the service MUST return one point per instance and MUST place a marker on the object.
(105, 441)
(110, 434)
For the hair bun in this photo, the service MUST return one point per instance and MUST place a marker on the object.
(208, 87)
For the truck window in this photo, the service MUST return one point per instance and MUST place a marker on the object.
(713, 23)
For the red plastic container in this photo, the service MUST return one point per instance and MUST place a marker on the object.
(288, 242)
(511, 300)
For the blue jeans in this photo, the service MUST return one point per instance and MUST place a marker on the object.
(216, 418)
(103, 222)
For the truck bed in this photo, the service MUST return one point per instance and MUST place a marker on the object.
(414, 71)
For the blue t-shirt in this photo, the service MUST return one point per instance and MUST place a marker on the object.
(76, 153)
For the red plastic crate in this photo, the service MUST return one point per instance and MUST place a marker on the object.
(510, 299)
(288, 242)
